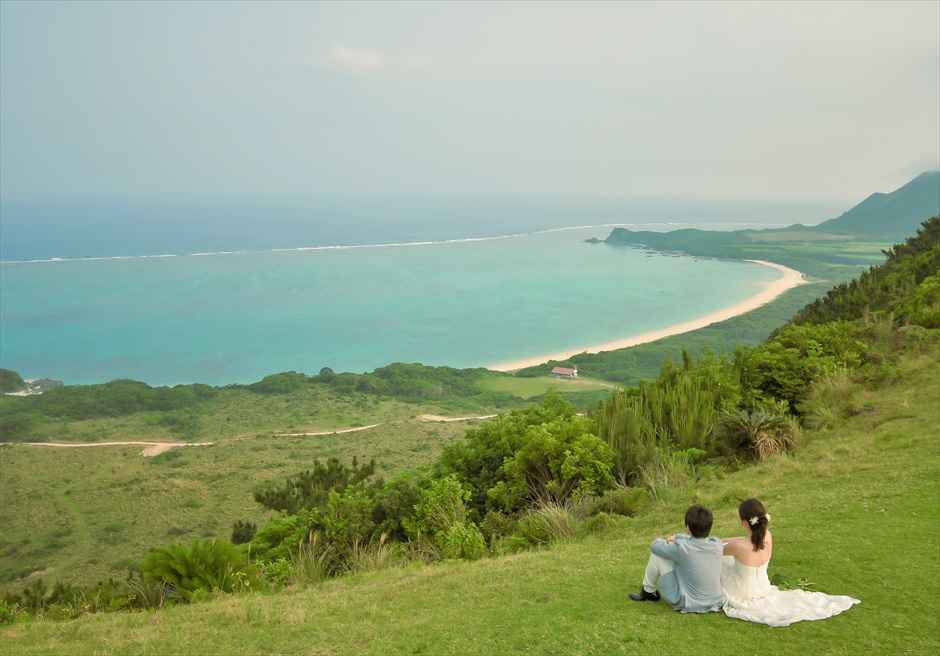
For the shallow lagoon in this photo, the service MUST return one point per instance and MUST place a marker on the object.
(467, 300)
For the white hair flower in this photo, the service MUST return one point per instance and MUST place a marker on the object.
(753, 520)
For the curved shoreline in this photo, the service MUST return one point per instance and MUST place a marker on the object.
(790, 279)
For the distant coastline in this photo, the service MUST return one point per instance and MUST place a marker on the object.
(790, 279)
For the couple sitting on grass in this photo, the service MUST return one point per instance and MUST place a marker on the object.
(700, 574)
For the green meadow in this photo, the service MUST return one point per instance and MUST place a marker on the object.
(85, 514)
(235, 412)
(529, 388)
(854, 512)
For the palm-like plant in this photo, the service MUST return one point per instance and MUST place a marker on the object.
(757, 434)
(209, 565)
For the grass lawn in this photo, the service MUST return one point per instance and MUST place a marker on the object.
(528, 388)
(854, 512)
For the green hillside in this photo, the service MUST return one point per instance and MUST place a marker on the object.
(891, 216)
(854, 512)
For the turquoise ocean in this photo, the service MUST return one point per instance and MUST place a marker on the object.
(229, 290)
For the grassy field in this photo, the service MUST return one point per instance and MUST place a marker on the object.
(854, 512)
(239, 412)
(84, 514)
(528, 388)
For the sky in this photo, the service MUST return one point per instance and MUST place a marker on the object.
(780, 100)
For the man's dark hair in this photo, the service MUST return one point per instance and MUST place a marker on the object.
(699, 520)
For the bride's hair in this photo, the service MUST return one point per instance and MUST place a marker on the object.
(752, 511)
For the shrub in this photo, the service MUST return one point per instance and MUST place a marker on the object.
(621, 500)
(786, 365)
(117, 398)
(462, 540)
(279, 572)
(533, 529)
(676, 412)
(441, 505)
(10, 381)
(923, 309)
(7, 615)
(243, 532)
(441, 519)
(372, 557)
(279, 536)
(395, 503)
(600, 524)
(510, 544)
(496, 525)
(347, 518)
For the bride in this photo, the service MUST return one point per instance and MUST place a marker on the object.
(750, 596)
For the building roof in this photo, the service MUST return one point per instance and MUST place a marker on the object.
(564, 371)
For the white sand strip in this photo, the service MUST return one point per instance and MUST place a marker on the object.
(790, 279)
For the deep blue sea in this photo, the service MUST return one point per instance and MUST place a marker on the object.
(228, 290)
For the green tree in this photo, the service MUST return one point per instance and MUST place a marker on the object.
(311, 489)
(785, 366)
(555, 461)
(478, 462)
(10, 381)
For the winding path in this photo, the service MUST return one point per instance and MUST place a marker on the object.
(156, 448)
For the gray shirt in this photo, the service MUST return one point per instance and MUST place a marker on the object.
(697, 566)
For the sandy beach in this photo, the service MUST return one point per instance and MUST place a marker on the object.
(789, 280)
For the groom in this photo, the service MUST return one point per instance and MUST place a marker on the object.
(686, 570)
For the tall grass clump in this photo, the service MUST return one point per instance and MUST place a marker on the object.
(312, 563)
(670, 471)
(550, 521)
(148, 595)
(371, 557)
(830, 400)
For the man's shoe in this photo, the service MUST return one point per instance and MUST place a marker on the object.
(643, 595)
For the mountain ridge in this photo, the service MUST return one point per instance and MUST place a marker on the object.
(893, 215)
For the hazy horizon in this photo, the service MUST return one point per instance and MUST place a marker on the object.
(785, 101)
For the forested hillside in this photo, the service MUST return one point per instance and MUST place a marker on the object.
(906, 287)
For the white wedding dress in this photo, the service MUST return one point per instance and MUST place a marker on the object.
(751, 597)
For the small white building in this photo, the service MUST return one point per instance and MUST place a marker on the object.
(564, 372)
